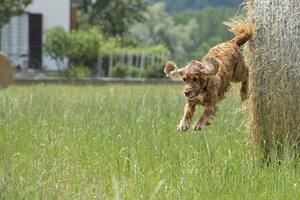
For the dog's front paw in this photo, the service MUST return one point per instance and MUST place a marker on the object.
(198, 127)
(183, 126)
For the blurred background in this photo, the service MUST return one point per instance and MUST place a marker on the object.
(109, 38)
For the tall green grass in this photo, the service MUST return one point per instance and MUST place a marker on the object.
(120, 142)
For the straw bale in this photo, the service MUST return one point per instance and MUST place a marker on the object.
(6, 71)
(273, 57)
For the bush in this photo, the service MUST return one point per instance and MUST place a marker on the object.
(134, 71)
(79, 47)
(56, 45)
(118, 71)
(124, 71)
(84, 46)
(152, 72)
(130, 71)
(78, 72)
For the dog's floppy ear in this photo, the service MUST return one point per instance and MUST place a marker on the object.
(210, 66)
(172, 70)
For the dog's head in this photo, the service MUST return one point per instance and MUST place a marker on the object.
(194, 74)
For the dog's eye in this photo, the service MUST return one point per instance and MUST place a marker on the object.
(184, 79)
(195, 79)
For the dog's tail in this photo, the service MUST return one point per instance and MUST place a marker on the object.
(243, 31)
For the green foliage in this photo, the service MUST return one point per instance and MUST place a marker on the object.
(183, 5)
(78, 71)
(159, 27)
(80, 47)
(134, 72)
(147, 50)
(209, 31)
(115, 16)
(185, 34)
(84, 46)
(83, 21)
(188, 35)
(153, 72)
(131, 71)
(10, 8)
(57, 45)
(110, 45)
(120, 71)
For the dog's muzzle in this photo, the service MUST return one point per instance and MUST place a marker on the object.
(187, 94)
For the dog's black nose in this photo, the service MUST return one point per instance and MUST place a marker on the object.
(187, 93)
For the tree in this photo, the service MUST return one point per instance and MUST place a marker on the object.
(80, 48)
(85, 5)
(10, 8)
(159, 27)
(84, 47)
(184, 5)
(210, 29)
(57, 45)
(113, 16)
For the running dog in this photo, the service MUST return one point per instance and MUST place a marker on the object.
(207, 81)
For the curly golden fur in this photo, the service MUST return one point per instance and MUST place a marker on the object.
(207, 81)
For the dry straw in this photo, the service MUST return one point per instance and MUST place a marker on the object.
(6, 71)
(273, 57)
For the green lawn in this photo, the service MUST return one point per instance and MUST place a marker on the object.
(120, 142)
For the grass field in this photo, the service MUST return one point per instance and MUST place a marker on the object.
(120, 142)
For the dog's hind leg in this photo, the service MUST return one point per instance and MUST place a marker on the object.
(244, 90)
(242, 75)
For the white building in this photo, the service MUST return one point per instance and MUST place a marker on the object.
(23, 36)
